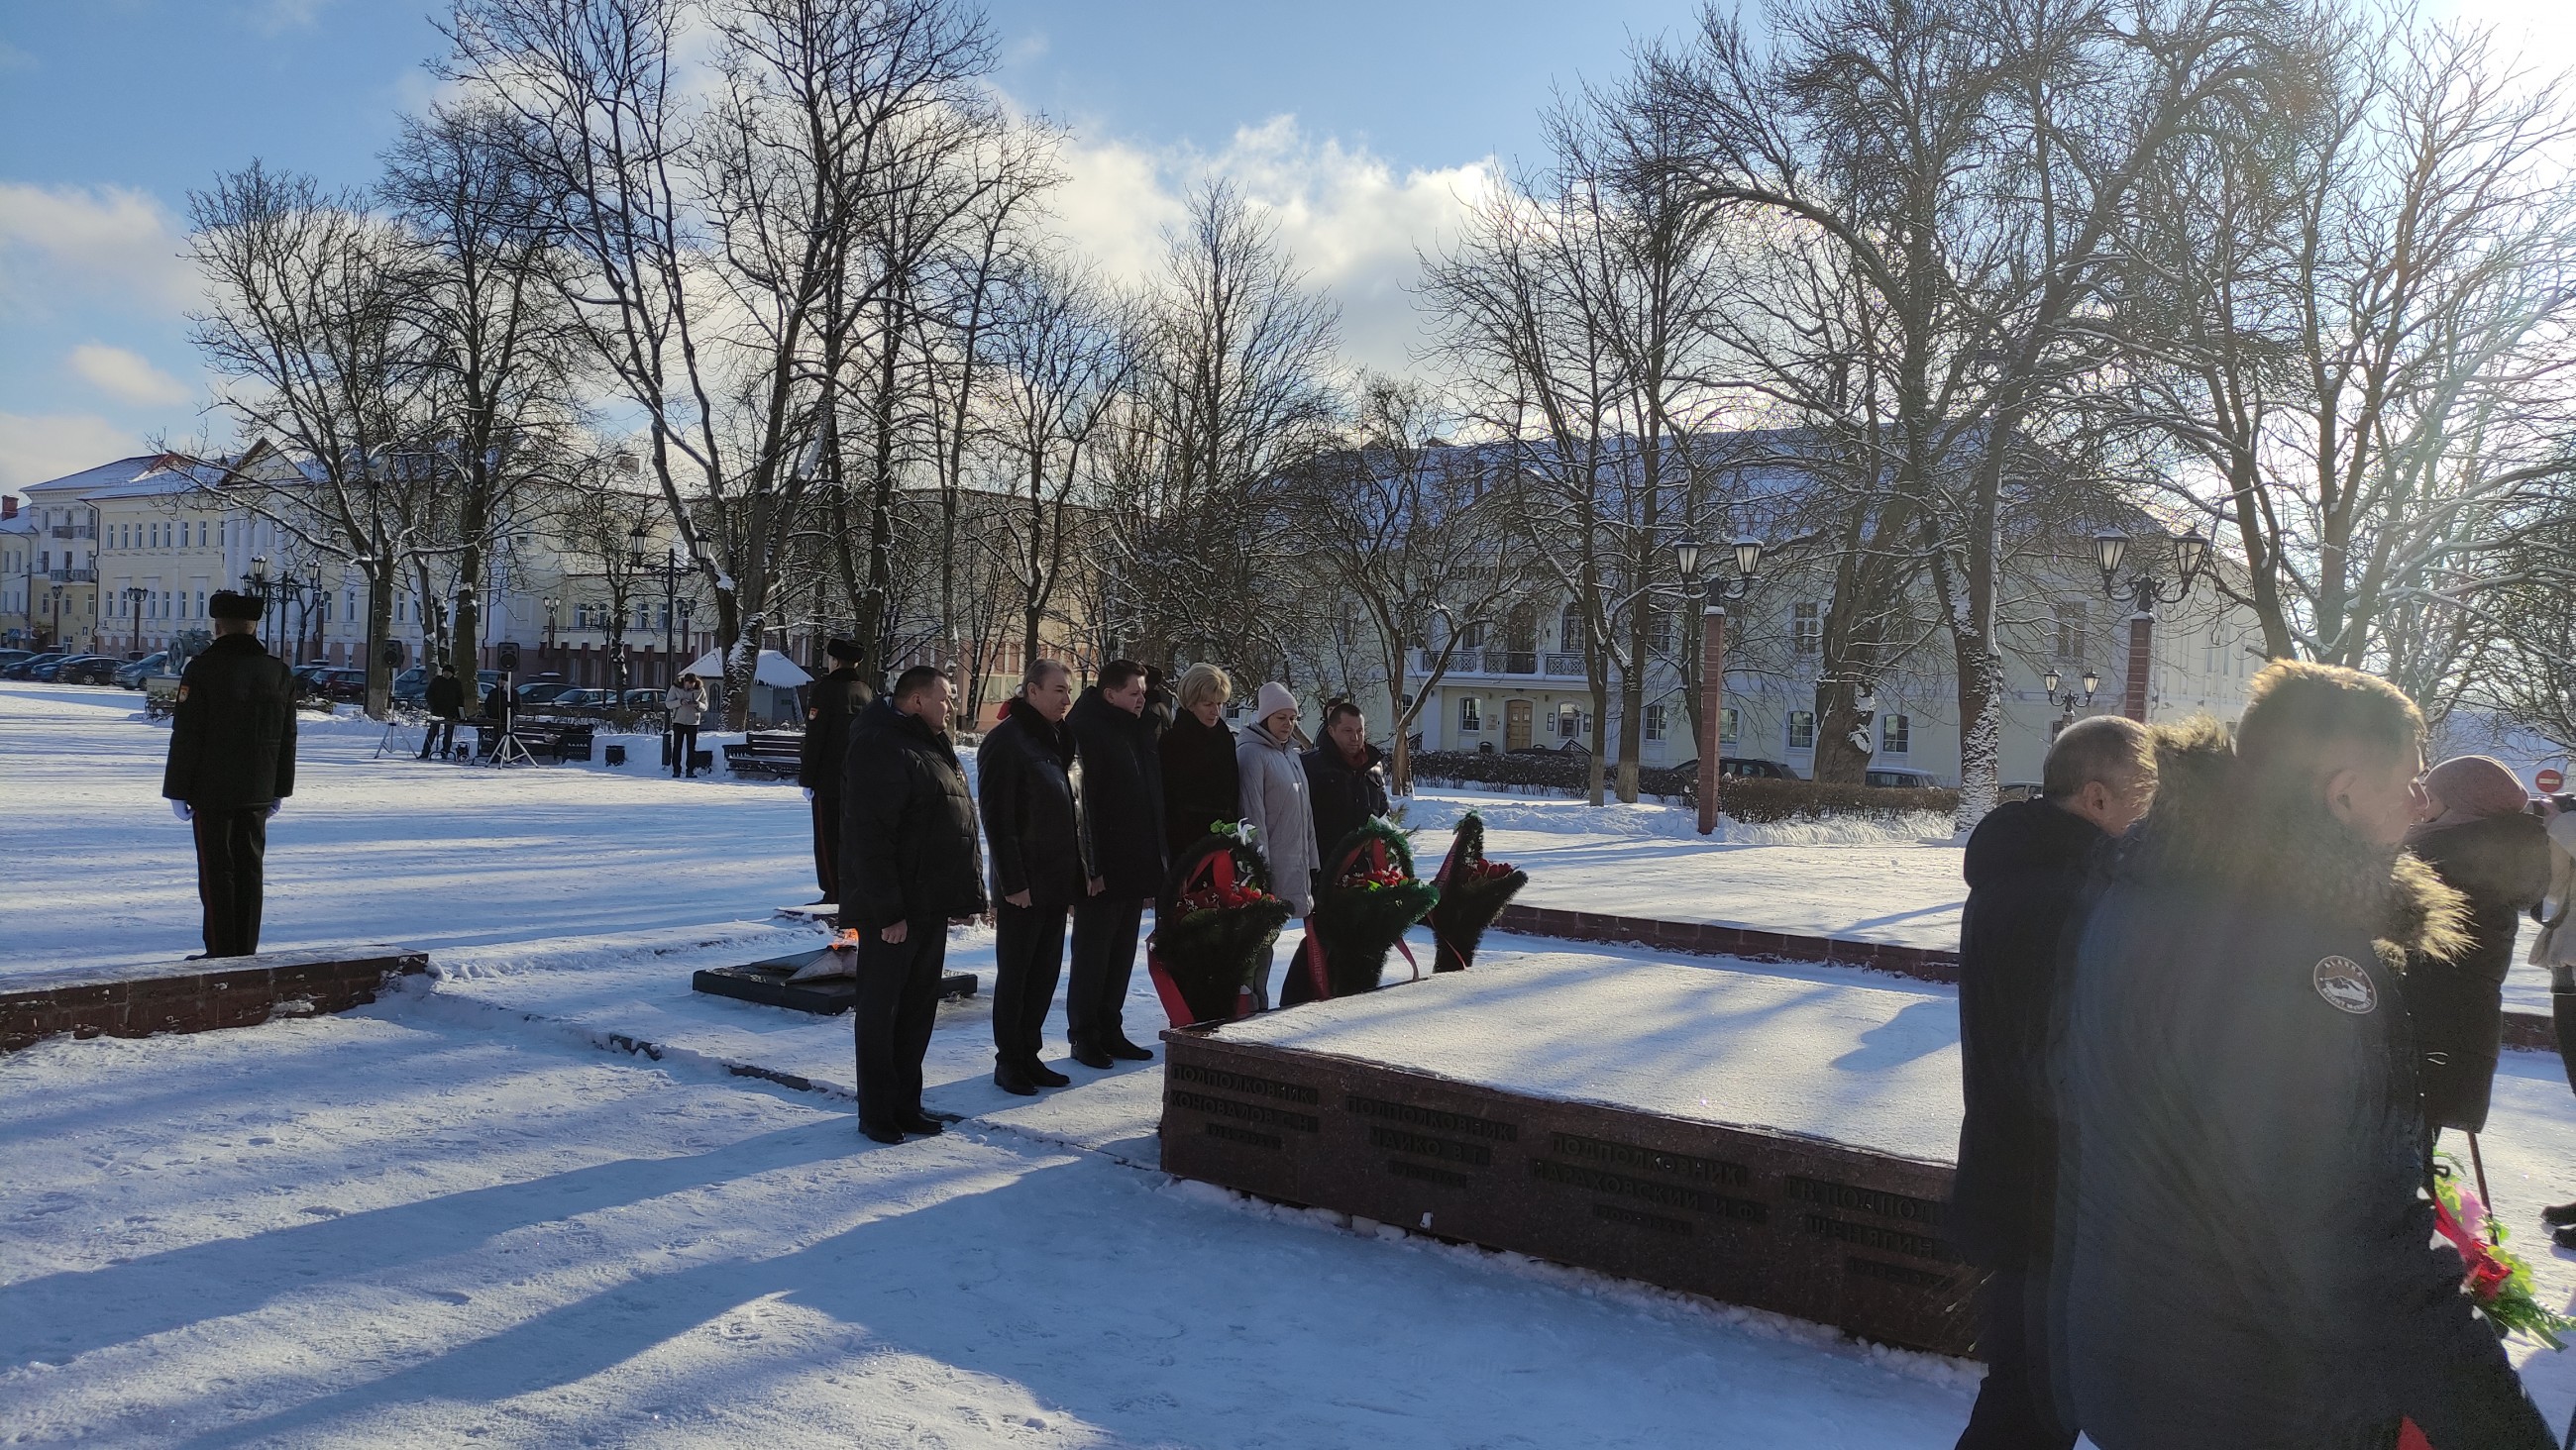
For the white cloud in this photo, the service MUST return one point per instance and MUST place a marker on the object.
(36, 447)
(109, 241)
(1354, 226)
(128, 376)
(276, 15)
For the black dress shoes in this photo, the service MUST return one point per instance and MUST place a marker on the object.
(1126, 1051)
(1043, 1075)
(2559, 1215)
(1092, 1057)
(1012, 1077)
(926, 1126)
(882, 1132)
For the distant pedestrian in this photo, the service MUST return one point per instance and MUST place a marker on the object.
(909, 867)
(1032, 825)
(2246, 1251)
(2026, 868)
(686, 704)
(831, 703)
(445, 699)
(1278, 806)
(497, 706)
(1201, 782)
(2487, 846)
(1122, 837)
(1347, 776)
(232, 759)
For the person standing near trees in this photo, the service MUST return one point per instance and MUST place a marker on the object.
(1347, 776)
(1279, 807)
(1201, 782)
(909, 867)
(1025, 775)
(1122, 848)
(445, 699)
(685, 703)
(232, 759)
(830, 705)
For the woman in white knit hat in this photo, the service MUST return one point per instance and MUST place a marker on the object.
(1275, 803)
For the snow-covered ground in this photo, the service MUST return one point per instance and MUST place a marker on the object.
(531, 1199)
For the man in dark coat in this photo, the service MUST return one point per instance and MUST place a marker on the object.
(232, 759)
(831, 703)
(1024, 774)
(2488, 847)
(1345, 777)
(445, 698)
(2026, 868)
(2245, 1248)
(909, 867)
(1122, 850)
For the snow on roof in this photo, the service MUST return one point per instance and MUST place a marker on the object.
(144, 475)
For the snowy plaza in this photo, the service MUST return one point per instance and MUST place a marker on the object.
(533, 1199)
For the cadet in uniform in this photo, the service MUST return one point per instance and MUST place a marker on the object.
(831, 704)
(232, 759)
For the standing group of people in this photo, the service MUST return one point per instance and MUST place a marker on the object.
(1083, 800)
(2219, 995)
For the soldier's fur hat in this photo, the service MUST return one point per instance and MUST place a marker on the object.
(228, 605)
(846, 651)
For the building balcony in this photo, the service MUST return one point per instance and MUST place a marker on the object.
(73, 576)
(74, 531)
(1504, 664)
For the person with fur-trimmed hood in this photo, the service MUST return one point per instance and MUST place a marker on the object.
(2245, 1245)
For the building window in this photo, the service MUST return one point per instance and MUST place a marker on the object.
(1895, 734)
(1569, 721)
(1569, 629)
(1802, 730)
(1471, 715)
(2072, 644)
(1654, 722)
(1726, 725)
(1659, 628)
(1807, 628)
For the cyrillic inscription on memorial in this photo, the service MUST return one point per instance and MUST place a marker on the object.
(1447, 1149)
(1233, 1134)
(1464, 1124)
(1871, 1236)
(1245, 1083)
(1854, 1199)
(1667, 1195)
(1603, 1153)
(1260, 1113)
(1896, 1274)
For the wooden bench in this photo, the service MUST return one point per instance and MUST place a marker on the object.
(772, 753)
(556, 740)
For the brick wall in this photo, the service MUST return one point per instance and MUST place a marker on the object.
(195, 996)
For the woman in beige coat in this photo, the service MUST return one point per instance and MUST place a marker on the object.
(1277, 808)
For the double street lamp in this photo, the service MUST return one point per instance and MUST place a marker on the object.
(1716, 593)
(2143, 591)
(135, 594)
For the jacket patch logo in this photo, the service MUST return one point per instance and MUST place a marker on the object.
(183, 692)
(2345, 986)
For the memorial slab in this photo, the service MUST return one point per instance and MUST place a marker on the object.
(197, 995)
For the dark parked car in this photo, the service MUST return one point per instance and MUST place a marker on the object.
(10, 657)
(1747, 768)
(537, 692)
(26, 668)
(2018, 790)
(132, 676)
(85, 670)
(345, 684)
(642, 700)
(411, 686)
(1898, 778)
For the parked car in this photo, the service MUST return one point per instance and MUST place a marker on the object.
(640, 701)
(1748, 768)
(2018, 790)
(537, 692)
(345, 684)
(85, 670)
(583, 701)
(1898, 778)
(131, 676)
(411, 686)
(10, 657)
(26, 668)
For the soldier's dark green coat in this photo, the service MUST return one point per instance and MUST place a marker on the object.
(232, 738)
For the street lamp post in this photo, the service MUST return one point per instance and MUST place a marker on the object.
(2144, 591)
(135, 594)
(1718, 593)
(670, 572)
(2065, 699)
(257, 579)
(550, 629)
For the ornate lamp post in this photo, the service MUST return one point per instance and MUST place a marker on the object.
(1716, 594)
(2144, 591)
(260, 588)
(2065, 699)
(135, 594)
(551, 606)
(669, 569)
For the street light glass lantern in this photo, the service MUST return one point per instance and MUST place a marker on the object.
(2109, 548)
(2092, 682)
(1686, 554)
(1748, 556)
(2189, 551)
(2050, 682)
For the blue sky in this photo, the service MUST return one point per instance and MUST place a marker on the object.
(1362, 124)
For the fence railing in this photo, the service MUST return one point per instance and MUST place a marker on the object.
(1516, 662)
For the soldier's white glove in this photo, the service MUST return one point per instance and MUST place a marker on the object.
(809, 792)
(180, 809)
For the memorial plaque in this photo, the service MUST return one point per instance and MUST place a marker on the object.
(1840, 1235)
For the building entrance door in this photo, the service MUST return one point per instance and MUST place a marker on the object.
(1516, 724)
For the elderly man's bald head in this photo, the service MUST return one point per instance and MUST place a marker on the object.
(2101, 770)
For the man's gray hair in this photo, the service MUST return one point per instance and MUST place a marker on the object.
(2109, 748)
(1041, 670)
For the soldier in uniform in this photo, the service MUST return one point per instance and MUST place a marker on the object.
(831, 704)
(232, 759)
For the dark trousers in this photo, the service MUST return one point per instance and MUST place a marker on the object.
(232, 850)
(439, 738)
(1028, 952)
(827, 844)
(898, 1003)
(2017, 1407)
(684, 743)
(1104, 956)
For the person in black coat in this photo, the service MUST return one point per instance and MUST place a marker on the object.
(1202, 785)
(2026, 868)
(909, 866)
(2245, 1251)
(1345, 778)
(232, 759)
(2488, 847)
(1025, 772)
(1122, 850)
(445, 699)
(831, 703)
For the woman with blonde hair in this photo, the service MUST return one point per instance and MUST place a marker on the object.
(1201, 786)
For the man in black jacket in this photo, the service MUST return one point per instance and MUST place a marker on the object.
(1345, 777)
(2026, 868)
(909, 867)
(232, 759)
(831, 703)
(2245, 1250)
(1024, 771)
(445, 698)
(1122, 850)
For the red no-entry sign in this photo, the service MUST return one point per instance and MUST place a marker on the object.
(2548, 780)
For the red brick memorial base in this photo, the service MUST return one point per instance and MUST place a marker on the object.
(1818, 1230)
(196, 996)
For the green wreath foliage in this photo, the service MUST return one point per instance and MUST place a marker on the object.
(1473, 891)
